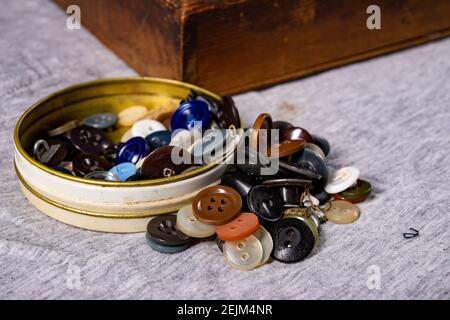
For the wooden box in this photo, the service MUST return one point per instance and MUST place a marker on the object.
(230, 46)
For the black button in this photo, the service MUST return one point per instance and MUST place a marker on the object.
(239, 181)
(89, 140)
(310, 160)
(162, 231)
(293, 239)
(86, 163)
(265, 202)
(280, 125)
(322, 143)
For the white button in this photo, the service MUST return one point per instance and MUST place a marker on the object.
(342, 179)
(245, 254)
(183, 138)
(126, 136)
(143, 128)
(267, 243)
(191, 226)
(130, 115)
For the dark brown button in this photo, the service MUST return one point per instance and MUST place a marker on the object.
(295, 133)
(159, 163)
(89, 140)
(225, 113)
(86, 163)
(261, 128)
(286, 148)
(217, 205)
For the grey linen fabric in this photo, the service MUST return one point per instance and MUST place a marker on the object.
(389, 116)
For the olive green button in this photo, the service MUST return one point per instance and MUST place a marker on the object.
(362, 189)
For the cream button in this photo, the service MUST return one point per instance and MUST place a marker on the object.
(126, 136)
(342, 212)
(143, 128)
(245, 254)
(342, 179)
(132, 114)
(191, 226)
(267, 243)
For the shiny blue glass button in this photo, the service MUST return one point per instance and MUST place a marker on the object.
(189, 112)
(132, 151)
(158, 139)
(124, 170)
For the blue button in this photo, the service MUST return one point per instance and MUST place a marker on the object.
(158, 139)
(189, 112)
(132, 151)
(124, 170)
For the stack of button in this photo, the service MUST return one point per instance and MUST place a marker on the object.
(83, 147)
(255, 216)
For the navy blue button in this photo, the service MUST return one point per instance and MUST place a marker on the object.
(124, 170)
(158, 139)
(132, 151)
(189, 112)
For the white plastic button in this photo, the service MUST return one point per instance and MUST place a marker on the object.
(342, 179)
(191, 226)
(132, 114)
(245, 254)
(267, 243)
(143, 128)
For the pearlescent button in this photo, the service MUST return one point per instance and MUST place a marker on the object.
(266, 241)
(101, 120)
(342, 179)
(191, 226)
(143, 128)
(124, 170)
(132, 114)
(342, 212)
(245, 254)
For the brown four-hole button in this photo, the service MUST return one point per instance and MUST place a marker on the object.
(217, 205)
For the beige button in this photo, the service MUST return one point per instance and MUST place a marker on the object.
(267, 243)
(191, 226)
(342, 212)
(245, 254)
(132, 114)
(143, 128)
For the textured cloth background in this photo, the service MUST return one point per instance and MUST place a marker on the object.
(389, 116)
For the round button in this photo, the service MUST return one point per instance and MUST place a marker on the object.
(162, 230)
(267, 243)
(132, 114)
(188, 113)
(265, 202)
(322, 143)
(132, 151)
(210, 147)
(159, 163)
(342, 212)
(225, 113)
(66, 127)
(101, 120)
(184, 138)
(295, 133)
(239, 228)
(361, 190)
(286, 148)
(245, 254)
(124, 170)
(158, 139)
(280, 125)
(50, 153)
(261, 132)
(143, 128)
(86, 163)
(342, 179)
(310, 160)
(89, 140)
(188, 224)
(102, 175)
(323, 197)
(165, 249)
(339, 197)
(217, 204)
(239, 181)
(294, 238)
(316, 148)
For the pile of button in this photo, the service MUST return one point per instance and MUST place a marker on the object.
(253, 217)
(82, 148)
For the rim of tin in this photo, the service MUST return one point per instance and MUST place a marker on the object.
(92, 213)
(150, 182)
